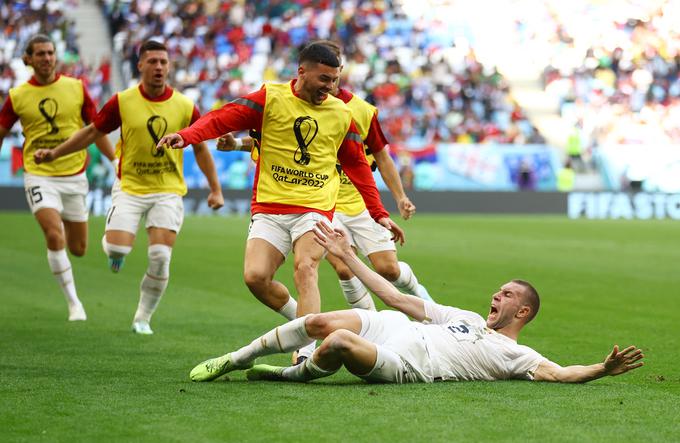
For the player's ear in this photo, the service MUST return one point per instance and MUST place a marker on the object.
(523, 312)
(25, 58)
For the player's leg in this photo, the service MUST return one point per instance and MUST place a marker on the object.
(51, 224)
(76, 237)
(285, 338)
(374, 241)
(163, 222)
(45, 198)
(398, 273)
(308, 256)
(122, 222)
(353, 290)
(267, 246)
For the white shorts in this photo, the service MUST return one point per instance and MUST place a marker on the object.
(282, 230)
(65, 194)
(402, 353)
(364, 233)
(161, 211)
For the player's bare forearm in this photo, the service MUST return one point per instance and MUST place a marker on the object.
(336, 243)
(105, 147)
(616, 363)
(390, 175)
(207, 166)
(228, 142)
(77, 142)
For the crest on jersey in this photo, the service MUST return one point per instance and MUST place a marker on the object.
(49, 107)
(156, 125)
(305, 129)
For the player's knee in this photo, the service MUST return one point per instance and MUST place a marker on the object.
(305, 268)
(388, 270)
(55, 239)
(318, 325)
(340, 341)
(256, 280)
(159, 260)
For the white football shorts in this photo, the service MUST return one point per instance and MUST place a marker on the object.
(282, 230)
(364, 233)
(160, 210)
(402, 353)
(65, 194)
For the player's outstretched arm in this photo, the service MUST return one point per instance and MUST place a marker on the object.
(106, 148)
(335, 242)
(77, 142)
(207, 166)
(616, 363)
(391, 178)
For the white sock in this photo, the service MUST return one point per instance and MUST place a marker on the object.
(154, 282)
(115, 251)
(307, 351)
(356, 294)
(286, 338)
(306, 371)
(407, 281)
(289, 310)
(60, 266)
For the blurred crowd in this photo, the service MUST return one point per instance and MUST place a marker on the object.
(615, 72)
(427, 88)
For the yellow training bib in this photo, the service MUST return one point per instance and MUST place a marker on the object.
(349, 200)
(49, 115)
(143, 123)
(299, 149)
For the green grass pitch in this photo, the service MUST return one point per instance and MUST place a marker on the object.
(601, 282)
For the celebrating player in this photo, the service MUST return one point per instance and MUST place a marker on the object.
(305, 132)
(150, 183)
(443, 343)
(351, 215)
(51, 107)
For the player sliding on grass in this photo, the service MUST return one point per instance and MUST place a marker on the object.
(443, 343)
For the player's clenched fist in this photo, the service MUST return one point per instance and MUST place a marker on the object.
(43, 156)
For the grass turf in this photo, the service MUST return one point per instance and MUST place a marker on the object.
(602, 282)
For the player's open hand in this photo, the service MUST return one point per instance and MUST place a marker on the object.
(43, 156)
(333, 240)
(227, 142)
(406, 208)
(215, 200)
(172, 141)
(619, 362)
(398, 235)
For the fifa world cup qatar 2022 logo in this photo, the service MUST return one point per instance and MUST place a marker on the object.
(156, 125)
(49, 107)
(305, 129)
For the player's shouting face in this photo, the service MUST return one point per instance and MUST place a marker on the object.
(506, 304)
(316, 81)
(154, 67)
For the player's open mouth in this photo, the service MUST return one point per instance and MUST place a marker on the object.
(493, 310)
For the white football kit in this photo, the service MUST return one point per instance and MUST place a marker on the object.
(451, 344)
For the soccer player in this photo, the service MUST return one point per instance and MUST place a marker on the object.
(441, 343)
(150, 183)
(351, 215)
(305, 132)
(51, 107)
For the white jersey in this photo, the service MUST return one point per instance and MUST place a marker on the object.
(461, 347)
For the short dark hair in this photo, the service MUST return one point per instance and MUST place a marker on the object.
(332, 45)
(151, 45)
(531, 298)
(38, 38)
(318, 53)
